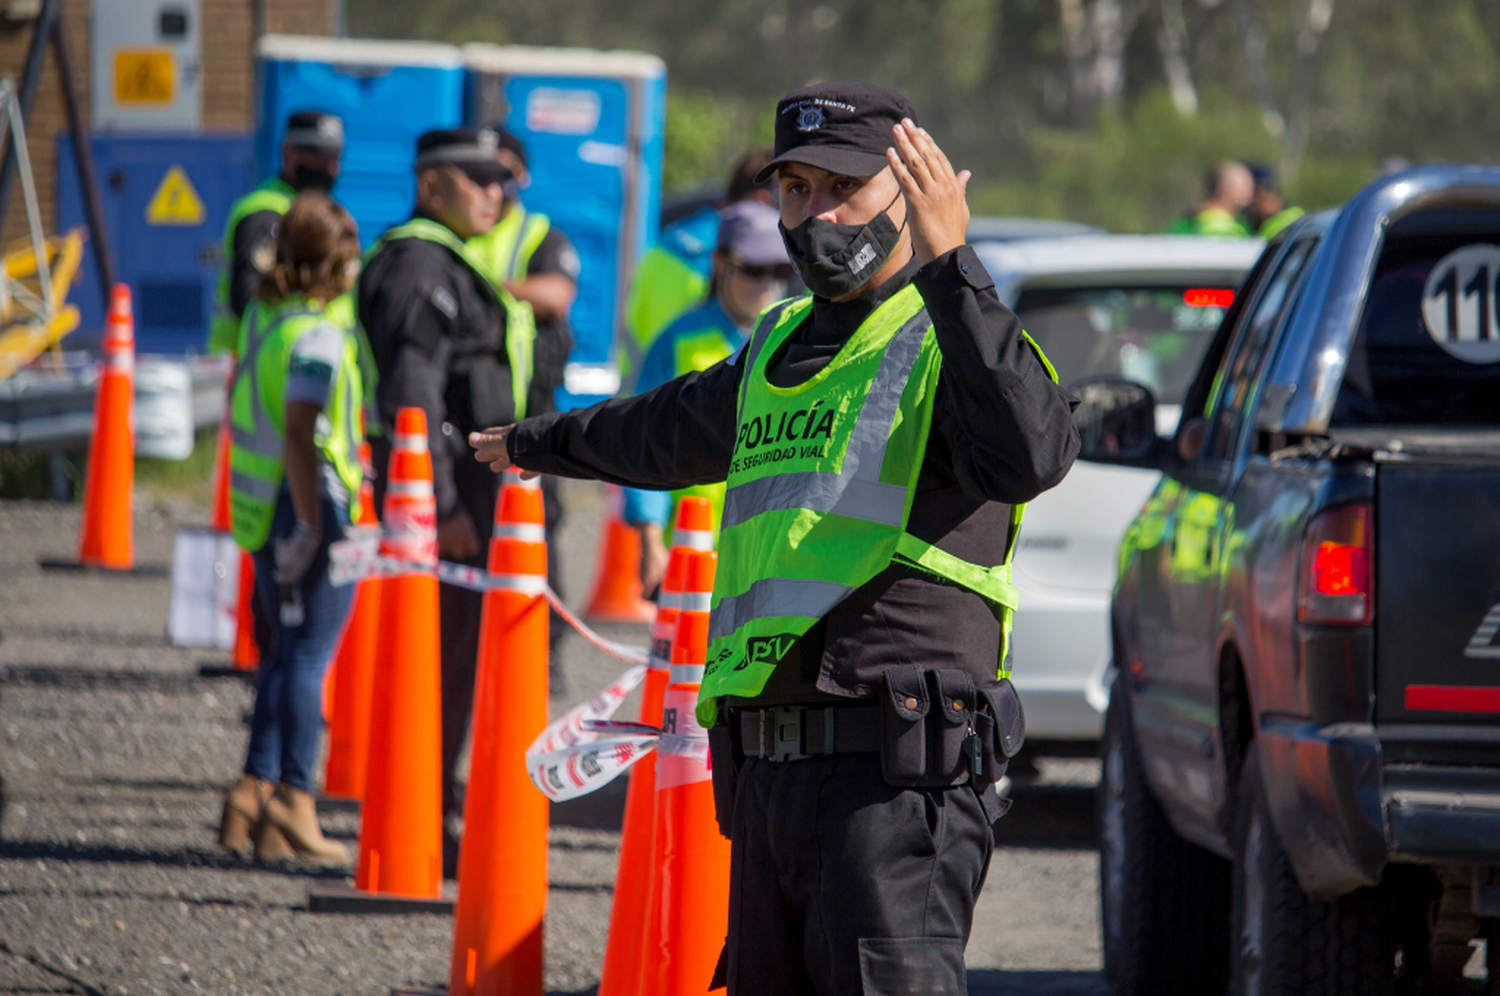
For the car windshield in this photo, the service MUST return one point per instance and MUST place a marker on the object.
(1153, 335)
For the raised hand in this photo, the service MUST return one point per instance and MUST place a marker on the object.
(936, 209)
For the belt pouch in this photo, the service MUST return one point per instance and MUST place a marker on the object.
(950, 725)
(725, 757)
(1007, 724)
(903, 728)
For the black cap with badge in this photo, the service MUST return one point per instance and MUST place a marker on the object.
(843, 128)
(470, 150)
(316, 131)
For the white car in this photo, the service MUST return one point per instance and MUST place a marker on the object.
(1141, 306)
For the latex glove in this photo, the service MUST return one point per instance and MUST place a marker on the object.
(295, 553)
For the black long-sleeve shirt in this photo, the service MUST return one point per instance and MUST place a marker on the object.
(254, 253)
(437, 332)
(1002, 434)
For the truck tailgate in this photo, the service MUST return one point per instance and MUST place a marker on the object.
(1437, 590)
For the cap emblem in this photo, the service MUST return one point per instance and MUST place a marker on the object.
(331, 128)
(809, 118)
(488, 140)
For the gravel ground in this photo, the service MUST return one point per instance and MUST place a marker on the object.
(114, 754)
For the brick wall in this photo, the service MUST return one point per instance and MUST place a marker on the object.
(228, 80)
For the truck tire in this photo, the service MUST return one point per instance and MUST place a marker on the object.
(1164, 902)
(1287, 944)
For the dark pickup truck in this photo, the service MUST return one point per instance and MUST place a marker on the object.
(1301, 764)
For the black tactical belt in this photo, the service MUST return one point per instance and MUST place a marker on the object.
(794, 733)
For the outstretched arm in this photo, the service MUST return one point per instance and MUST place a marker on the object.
(675, 435)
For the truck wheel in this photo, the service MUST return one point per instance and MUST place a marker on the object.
(1164, 902)
(1287, 944)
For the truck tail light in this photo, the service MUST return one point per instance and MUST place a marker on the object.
(1338, 561)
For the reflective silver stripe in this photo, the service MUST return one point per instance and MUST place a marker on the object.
(256, 487)
(756, 344)
(687, 674)
(524, 531)
(856, 490)
(409, 489)
(773, 597)
(693, 539)
(670, 600)
(529, 483)
(695, 601)
(410, 441)
(526, 584)
(263, 440)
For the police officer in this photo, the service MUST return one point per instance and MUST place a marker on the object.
(673, 276)
(310, 154)
(447, 340)
(750, 270)
(534, 260)
(1269, 212)
(1230, 189)
(879, 440)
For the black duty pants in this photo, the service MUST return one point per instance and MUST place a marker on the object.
(840, 884)
(459, 614)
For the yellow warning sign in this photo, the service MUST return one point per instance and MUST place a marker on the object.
(175, 201)
(145, 76)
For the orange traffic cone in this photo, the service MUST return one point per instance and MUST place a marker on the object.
(246, 657)
(220, 521)
(105, 539)
(400, 840)
(502, 863)
(617, 587)
(353, 672)
(691, 916)
(627, 916)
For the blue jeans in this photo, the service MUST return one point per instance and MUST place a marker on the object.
(288, 715)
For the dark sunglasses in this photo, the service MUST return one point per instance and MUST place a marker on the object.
(484, 173)
(776, 271)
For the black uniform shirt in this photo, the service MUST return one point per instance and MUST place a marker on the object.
(554, 338)
(254, 248)
(1002, 433)
(437, 332)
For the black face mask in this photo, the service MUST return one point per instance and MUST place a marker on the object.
(305, 177)
(834, 260)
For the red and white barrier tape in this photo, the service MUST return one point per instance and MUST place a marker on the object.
(359, 558)
(570, 758)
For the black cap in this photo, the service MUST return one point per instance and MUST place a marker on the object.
(841, 127)
(316, 131)
(1264, 175)
(470, 149)
(510, 142)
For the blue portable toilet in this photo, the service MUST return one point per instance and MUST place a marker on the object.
(387, 92)
(593, 125)
(166, 199)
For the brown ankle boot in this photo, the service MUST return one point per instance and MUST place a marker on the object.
(242, 808)
(290, 819)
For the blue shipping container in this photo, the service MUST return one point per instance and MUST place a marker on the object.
(387, 93)
(166, 199)
(593, 126)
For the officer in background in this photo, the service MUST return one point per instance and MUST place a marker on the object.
(750, 270)
(673, 275)
(878, 440)
(447, 340)
(1269, 212)
(535, 261)
(1230, 191)
(310, 154)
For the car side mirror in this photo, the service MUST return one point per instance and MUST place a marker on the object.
(1116, 419)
